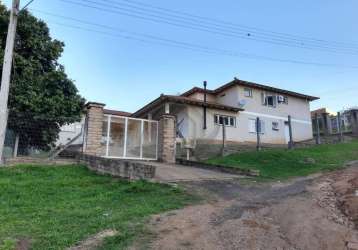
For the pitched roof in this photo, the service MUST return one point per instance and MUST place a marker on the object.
(251, 85)
(183, 100)
(197, 90)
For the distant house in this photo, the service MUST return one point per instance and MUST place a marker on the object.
(328, 121)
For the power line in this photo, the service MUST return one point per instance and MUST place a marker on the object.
(209, 19)
(145, 38)
(201, 27)
(27, 5)
(227, 25)
(159, 19)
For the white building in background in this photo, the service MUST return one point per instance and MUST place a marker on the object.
(71, 132)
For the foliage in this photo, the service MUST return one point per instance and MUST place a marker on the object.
(42, 97)
(56, 207)
(283, 163)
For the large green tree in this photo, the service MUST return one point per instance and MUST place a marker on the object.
(42, 97)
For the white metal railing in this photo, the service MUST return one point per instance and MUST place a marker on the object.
(126, 138)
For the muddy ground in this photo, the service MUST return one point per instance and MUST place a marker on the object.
(317, 212)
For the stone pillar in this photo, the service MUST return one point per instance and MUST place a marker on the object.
(354, 121)
(167, 137)
(93, 132)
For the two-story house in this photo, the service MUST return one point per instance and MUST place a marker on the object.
(237, 104)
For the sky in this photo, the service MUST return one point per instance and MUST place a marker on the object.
(126, 73)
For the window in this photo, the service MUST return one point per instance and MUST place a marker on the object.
(229, 121)
(252, 126)
(269, 100)
(247, 92)
(275, 126)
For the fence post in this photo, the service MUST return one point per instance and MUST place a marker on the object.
(290, 143)
(318, 135)
(258, 131)
(16, 146)
(340, 129)
(224, 138)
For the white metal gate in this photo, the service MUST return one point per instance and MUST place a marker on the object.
(129, 138)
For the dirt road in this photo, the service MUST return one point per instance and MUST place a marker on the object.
(306, 213)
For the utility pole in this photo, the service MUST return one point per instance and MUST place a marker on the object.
(6, 73)
(204, 108)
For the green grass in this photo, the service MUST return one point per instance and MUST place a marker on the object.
(56, 207)
(283, 164)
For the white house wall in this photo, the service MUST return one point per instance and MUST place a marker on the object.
(240, 133)
(297, 108)
(182, 118)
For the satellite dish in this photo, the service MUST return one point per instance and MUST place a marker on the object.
(242, 103)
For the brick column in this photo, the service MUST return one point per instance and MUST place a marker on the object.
(167, 136)
(354, 121)
(93, 136)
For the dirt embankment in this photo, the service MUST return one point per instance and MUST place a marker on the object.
(345, 186)
(304, 214)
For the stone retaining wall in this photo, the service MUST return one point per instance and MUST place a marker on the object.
(132, 170)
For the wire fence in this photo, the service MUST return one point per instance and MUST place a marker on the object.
(40, 136)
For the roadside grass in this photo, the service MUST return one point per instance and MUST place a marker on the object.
(56, 207)
(282, 163)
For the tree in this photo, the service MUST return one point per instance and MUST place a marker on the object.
(42, 97)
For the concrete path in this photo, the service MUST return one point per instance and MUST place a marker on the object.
(168, 173)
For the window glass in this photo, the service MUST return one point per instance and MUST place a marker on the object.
(227, 120)
(248, 92)
(252, 126)
(270, 100)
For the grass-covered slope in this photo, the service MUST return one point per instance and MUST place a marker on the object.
(283, 163)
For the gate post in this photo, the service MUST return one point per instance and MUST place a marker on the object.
(93, 130)
(166, 138)
(354, 121)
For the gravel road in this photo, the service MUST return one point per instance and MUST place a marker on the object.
(316, 212)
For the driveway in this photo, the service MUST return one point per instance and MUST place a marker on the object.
(172, 173)
(304, 213)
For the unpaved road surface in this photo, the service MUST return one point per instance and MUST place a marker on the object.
(316, 212)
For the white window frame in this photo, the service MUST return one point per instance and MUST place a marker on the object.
(264, 99)
(262, 126)
(218, 117)
(247, 92)
(274, 101)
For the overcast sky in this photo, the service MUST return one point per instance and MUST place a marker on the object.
(127, 73)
